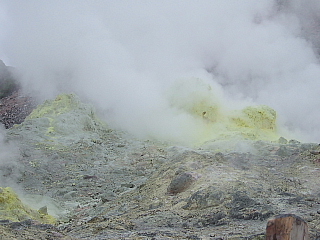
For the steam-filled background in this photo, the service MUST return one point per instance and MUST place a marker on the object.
(126, 57)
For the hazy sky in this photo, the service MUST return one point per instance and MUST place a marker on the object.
(125, 55)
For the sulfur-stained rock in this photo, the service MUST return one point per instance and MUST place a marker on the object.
(11, 208)
(62, 122)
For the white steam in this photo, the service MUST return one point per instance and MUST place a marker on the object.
(9, 169)
(125, 55)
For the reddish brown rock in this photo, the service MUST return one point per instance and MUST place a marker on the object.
(287, 227)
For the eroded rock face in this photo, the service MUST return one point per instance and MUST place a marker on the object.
(111, 185)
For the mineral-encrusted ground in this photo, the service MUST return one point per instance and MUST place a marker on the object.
(101, 183)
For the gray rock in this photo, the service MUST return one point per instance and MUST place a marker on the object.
(282, 140)
(43, 210)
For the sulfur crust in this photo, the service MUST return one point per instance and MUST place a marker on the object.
(213, 120)
(50, 109)
(11, 208)
(256, 123)
(62, 104)
(217, 121)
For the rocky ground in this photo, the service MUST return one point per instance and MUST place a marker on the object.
(15, 108)
(101, 183)
(15, 105)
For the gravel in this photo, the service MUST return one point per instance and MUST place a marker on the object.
(15, 108)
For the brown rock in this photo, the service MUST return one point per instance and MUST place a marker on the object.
(287, 227)
(181, 183)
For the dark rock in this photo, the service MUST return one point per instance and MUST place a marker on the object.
(14, 108)
(294, 142)
(194, 237)
(89, 177)
(22, 224)
(4, 222)
(219, 157)
(147, 234)
(296, 200)
(16, 225)
(205, 198)
(181, 183)
(244, 207)
(44, 226)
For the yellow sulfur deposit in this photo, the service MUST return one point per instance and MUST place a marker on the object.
(197, 98)
(215, 119)
(261, 117)
(62, 104)
(65, 115)
(50, 109)
(255, 123)
(251, 123)
(203, 114)
(11, 208)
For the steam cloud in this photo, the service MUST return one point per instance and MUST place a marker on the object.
(9, 169)
(125, 55)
